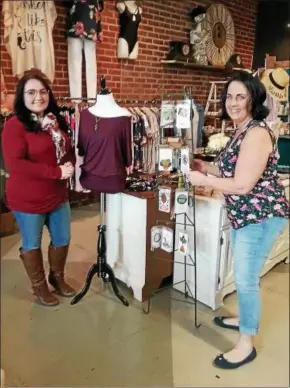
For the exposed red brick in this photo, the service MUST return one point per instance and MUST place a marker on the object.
(162, 21)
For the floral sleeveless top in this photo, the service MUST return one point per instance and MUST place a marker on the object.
(267, 199)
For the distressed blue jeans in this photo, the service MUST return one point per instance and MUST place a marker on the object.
(31, 227)
(251, 245)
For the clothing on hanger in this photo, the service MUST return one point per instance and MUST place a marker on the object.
(30, 46)
(84, 19)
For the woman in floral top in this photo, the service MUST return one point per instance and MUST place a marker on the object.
(256, 204)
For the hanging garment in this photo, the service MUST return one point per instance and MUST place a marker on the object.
(200, 110)
(193, 136)
(273, 106)
(79, 159)
(129, 23)
(195, 122)
(138, 136)
(150, 148)
(84, 19)
(28, 29)
(75, 49)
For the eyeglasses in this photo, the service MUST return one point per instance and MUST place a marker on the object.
(33, 93)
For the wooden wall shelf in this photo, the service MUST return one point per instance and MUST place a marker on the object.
(192, 65)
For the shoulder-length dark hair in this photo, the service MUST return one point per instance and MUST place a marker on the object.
(24, 115)
(257, 95)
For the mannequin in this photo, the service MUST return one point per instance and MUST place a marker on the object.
(105, 142)
(129, 20)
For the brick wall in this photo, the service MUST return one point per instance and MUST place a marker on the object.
(162, 21)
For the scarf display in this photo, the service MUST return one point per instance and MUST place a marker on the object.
(50, 125)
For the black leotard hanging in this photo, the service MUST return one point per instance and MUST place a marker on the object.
(129, 23)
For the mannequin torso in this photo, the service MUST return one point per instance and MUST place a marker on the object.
(130, 17)
(106, 106)
(105, 142)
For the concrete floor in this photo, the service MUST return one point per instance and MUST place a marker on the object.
(98, 342)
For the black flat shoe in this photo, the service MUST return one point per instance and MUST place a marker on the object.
(222, 363)
(219, 321)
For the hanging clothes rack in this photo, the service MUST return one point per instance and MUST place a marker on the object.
(121, 101)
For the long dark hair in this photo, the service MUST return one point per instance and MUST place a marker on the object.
(257, 94)
(24, 115)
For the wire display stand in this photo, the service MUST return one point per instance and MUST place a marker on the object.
(189, 259)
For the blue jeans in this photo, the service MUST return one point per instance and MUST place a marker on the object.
(251, 245)
(31, 227)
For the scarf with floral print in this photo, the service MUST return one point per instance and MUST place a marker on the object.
(50, 125)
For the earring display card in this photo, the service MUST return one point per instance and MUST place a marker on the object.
(156, 237)
(181, 201)
(167, 115)
(184, 160)
(164, 199)
(183, 115)
(165, 159)
(167, 239)
(183, 243)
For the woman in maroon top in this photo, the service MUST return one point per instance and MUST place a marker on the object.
(39, 157)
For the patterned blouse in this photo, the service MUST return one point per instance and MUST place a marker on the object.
(84, 20)
(267, 199)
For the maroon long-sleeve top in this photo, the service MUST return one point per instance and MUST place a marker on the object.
(34, 184)
(106, 144)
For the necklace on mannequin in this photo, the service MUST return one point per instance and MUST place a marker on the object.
(96, 124)
(134, 15)
(130, 5)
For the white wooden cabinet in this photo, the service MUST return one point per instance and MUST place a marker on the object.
(126, 240)
(214, 257)
(129, 220)
(210, 223)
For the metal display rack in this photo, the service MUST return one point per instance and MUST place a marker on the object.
(189, 259)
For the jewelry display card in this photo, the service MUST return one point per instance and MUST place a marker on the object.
(164, 199)
(165, 157)
(181, 201)
(183, 114)
(167, 239)
(183, 243)
(156, 237)
(167, 119)
(184, 160)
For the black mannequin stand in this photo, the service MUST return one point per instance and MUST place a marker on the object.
(101, 267)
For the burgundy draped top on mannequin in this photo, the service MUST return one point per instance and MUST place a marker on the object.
(106, 146)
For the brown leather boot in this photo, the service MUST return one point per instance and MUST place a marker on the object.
(33, 264)
(57, 259)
